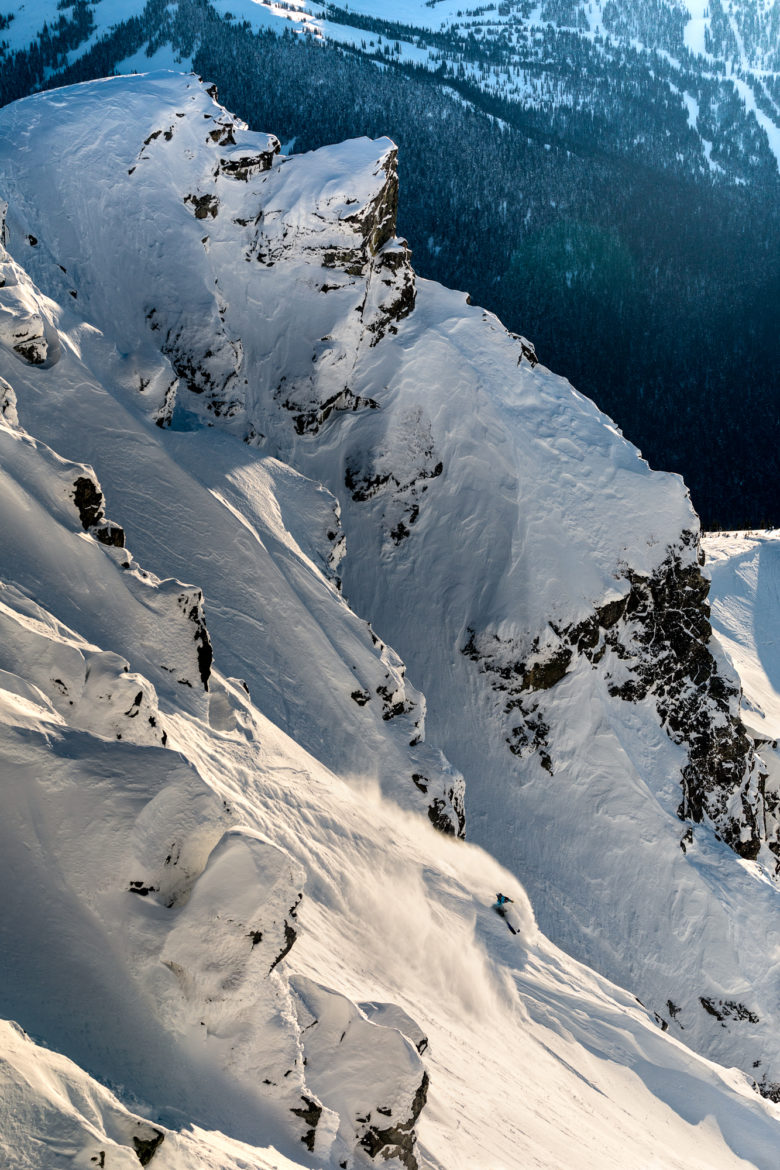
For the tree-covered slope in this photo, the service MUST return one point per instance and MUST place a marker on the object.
(623, 211)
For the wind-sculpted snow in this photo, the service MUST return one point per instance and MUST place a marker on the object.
(48, 506)
(160, 922)
(745, 569)
(336, 1035)
(26, 326)
(62, 1116)
(242, 912)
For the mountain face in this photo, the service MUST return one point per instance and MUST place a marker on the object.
(246, 899)
(603, 176)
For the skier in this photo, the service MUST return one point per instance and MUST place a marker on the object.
(500, 906)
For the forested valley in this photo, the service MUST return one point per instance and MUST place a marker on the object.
(650, 281)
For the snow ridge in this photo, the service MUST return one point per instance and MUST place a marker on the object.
(247, 899)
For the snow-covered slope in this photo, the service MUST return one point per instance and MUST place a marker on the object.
(745, 568)
(222, 798)
(142, 936)
(55, 1115)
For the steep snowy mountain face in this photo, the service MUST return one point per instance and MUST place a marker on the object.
(232, 826)
(622, 157)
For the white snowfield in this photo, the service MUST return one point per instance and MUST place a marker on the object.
(225, 900)
(745, 569)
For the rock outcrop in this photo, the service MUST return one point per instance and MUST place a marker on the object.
(368, 1072)
(88, 498)
(652, 639)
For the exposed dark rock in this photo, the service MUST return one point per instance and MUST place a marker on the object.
(146, 1147)
(392, 291)
(310, 1114)
(376, 221)
(142, 889)
(653, 641)
(243, 166)
(192, 604)
(223, 135)
(400, 532)
(364, 482)
(532, 735)
(544, 667)
(110, 534)
(546, 673)
(88, 499)
(364, 486)
(391, 704)
(8, 411)
(439, 817)
(668, 631)
(527, 351)
(203, 205)
(398, 1141)
(290, 935)
(361, 697)
(610, 614)
(309, 420)
(218, 386)
(33, 350)
(353, 261)
(135, 706)
(728, 1009)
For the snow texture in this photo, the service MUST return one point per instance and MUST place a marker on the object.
(245, 905)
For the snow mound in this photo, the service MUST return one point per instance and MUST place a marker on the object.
(62, 1116)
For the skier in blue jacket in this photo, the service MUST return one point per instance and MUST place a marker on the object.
(500, 906)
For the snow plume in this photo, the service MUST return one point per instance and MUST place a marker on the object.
(431, 928)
